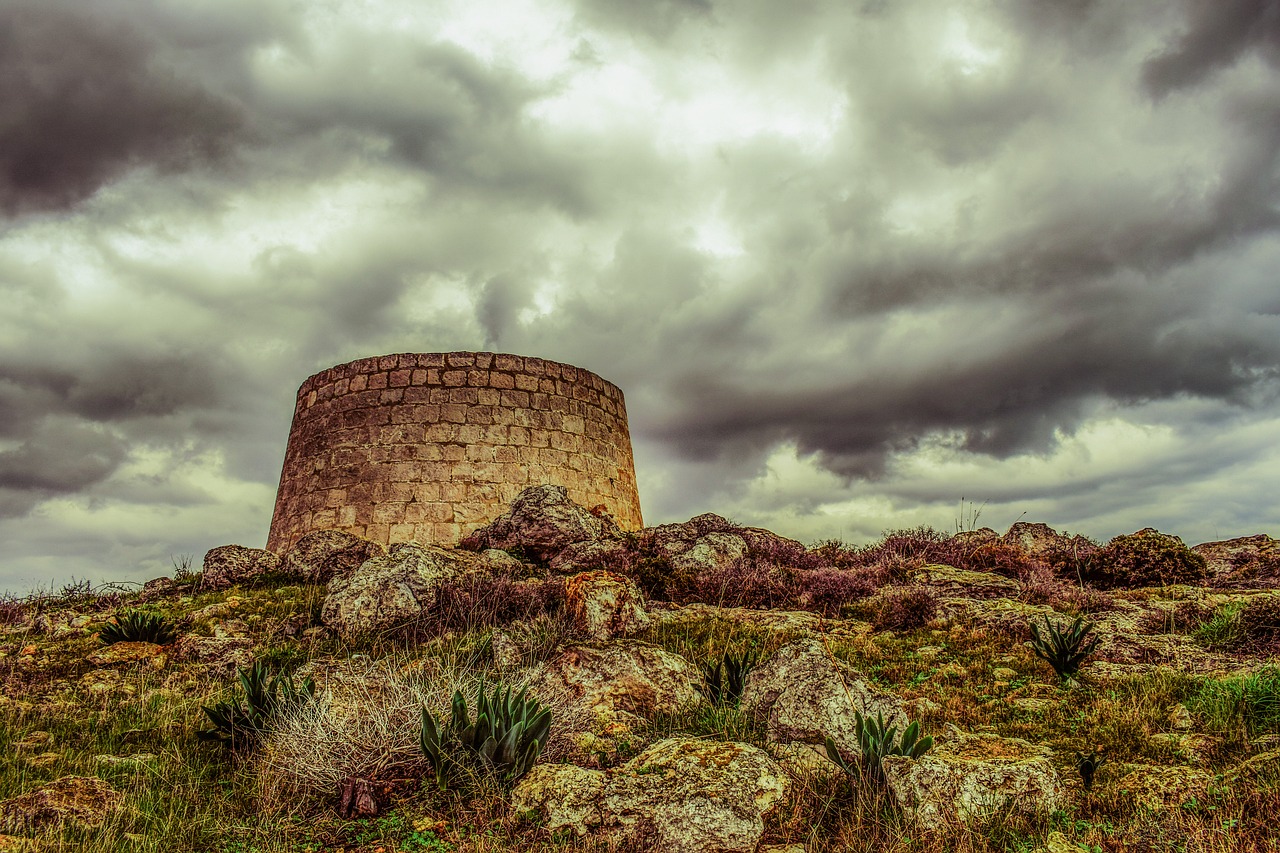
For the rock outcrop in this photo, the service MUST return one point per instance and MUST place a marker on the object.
(603, 606)
(322, 555)
(228, 565)
(541, 523)
(392, 591)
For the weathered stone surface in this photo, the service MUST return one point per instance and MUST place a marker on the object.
(806, 695)
(79, 800)
(974, 538)
(784, 622)
(625, 675)
(1222, 556)
(564, 796)
(542, 521)
(157, 588)
(603, 605)
(119, 654)
(322, 555)
(685, 795)
(949, 582)
(1159, 787)
(228, 565)
(969, 778)
(392, 591)
(226, 653)
(709, 552)
(1034, 538)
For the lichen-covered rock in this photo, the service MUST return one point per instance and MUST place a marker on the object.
(392, 591)
(949, 582)
(1034, 538)
(228, 565)
(622, 676)
(321, 555)
(804, 694)
(686, 795)
(1230, 554)
(562, 795)
(709, 552)
(120, 654)
(1157, 787)
(603, 605)
(78, 800)
(222, 653)
(966, 779)
(542, 521)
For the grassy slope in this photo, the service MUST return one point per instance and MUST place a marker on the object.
(191, 795)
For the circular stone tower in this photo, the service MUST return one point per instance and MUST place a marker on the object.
(430, 446)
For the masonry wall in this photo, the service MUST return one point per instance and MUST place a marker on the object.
(430, 446)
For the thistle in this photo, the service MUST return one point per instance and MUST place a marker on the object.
(1064, 649)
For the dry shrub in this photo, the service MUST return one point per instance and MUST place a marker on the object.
(480, 600)
(914, 547)
(367, 723)
(905, 608)
(1042, 587)
(751, 582)
(1145, 558)
(828, 590)
(11, 610)
(1260, 627)
(1002, 559)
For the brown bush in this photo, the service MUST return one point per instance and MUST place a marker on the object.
(480, 600)
(1260, 627)
(829, 590)
(1145, 558)
(1000, 558)
(745, 582)
(906, 608)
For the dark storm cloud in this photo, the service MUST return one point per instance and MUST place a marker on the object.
(86, 97)
(59, 458)
(1217, 34)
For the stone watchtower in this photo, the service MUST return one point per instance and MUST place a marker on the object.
(431, 446)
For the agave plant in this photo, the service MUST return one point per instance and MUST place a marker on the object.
(876, 740)
(138, 626)
(1064, 648)
(1087, 764)
(725, 681)
(505, 739)
(244, 719)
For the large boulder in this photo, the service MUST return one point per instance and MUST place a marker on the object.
(542, 521)
(563, 796)
(76, 800)
(626, 675)
(949, 582)
(321, 555)
(228, 565)
(967, 779)
(687, 795)
(392, 591)
(1035, 538)
(1244, 561)
(806, 695)
(602, 605)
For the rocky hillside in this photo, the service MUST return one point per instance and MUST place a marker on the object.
(689, 687)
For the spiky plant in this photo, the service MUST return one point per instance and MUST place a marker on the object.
(138, 626)
(243, 720)
(1087, 764)
(505, 739)
(876, 739)
(727, 678)
(1064, 649)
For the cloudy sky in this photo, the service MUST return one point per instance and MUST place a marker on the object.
(857, 264)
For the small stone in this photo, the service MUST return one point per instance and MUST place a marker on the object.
(80, 800)
(1003, 673)
(1180, 717)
